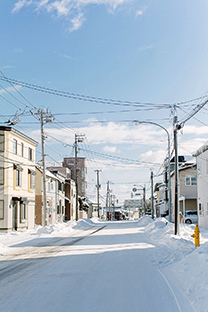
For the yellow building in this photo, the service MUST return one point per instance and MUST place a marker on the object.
(17, 180)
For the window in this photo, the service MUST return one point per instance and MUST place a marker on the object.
(22, 149)
(199, 170)
(32, 181)
(18, 175)
(83, 187)
(52, 186)
(30, 154)
(49, 186)
(1, 209)
(201, 209)
(31, 178)
(193, 181)
(15, 146)
(190, 180)
(1, 142)
(1, 176)
(22, 212)
(83, 172)
(18, 178)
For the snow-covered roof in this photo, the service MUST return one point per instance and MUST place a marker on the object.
(201, 150)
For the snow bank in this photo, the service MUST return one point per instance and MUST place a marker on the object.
(58, 229)
(157, 224)
(178, 255)
(83, 224)
(2, 248)
(145, 220)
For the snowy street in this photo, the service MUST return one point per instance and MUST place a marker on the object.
(106, 266)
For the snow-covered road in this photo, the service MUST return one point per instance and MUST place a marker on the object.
(112, 266)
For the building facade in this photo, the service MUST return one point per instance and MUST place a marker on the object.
(187, 188)
(202, 185)
(17, 180)
(82, 173)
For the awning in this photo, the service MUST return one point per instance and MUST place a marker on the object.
(18, 167)
(68, 199)
(32, 172)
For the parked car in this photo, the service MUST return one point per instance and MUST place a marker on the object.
(191, 216)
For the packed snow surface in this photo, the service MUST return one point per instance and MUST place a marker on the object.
(182, 267)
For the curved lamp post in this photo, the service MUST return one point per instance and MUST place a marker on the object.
(137, 122)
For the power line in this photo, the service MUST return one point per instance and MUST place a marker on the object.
(100, 100)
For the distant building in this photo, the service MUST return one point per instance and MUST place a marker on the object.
(17, 180)
(82, 173)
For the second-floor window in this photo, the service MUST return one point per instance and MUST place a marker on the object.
(30, 154)
(22, 149)
(1, 209)
(18, 178)
(18, 175)
(31, 178)
(15, 146)
(1, 176)
(190, 180)
(1, 142)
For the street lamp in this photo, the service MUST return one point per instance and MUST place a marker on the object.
(136, 122)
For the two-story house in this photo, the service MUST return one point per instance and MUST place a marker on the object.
(161, 203)
(187, 188)
(51, 197)
(61, 175)
(202, 185)
(17, 180)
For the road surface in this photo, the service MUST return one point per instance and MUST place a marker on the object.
(110, 267)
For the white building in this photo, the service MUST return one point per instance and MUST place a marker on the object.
(202, 185)
(17, 180)
(187, 188)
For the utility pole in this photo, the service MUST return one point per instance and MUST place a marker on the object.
(79, 138)
(144, 199)
(44, 116)
(152, 195)
(176, 175)
(108, 201)
(44, 169)
(98, 188)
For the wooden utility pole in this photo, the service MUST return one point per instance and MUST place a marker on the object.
(176, 176)
(98, 188)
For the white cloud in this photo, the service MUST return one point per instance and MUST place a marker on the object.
(109, 149)
(72, 10)
(77, 22)
(144, 48)
(141, 11)
(20, 4)
(63, 55)
(195, 130)
(153, 156)
(114, 134)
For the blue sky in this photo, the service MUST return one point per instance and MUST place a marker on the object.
(140, 51)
